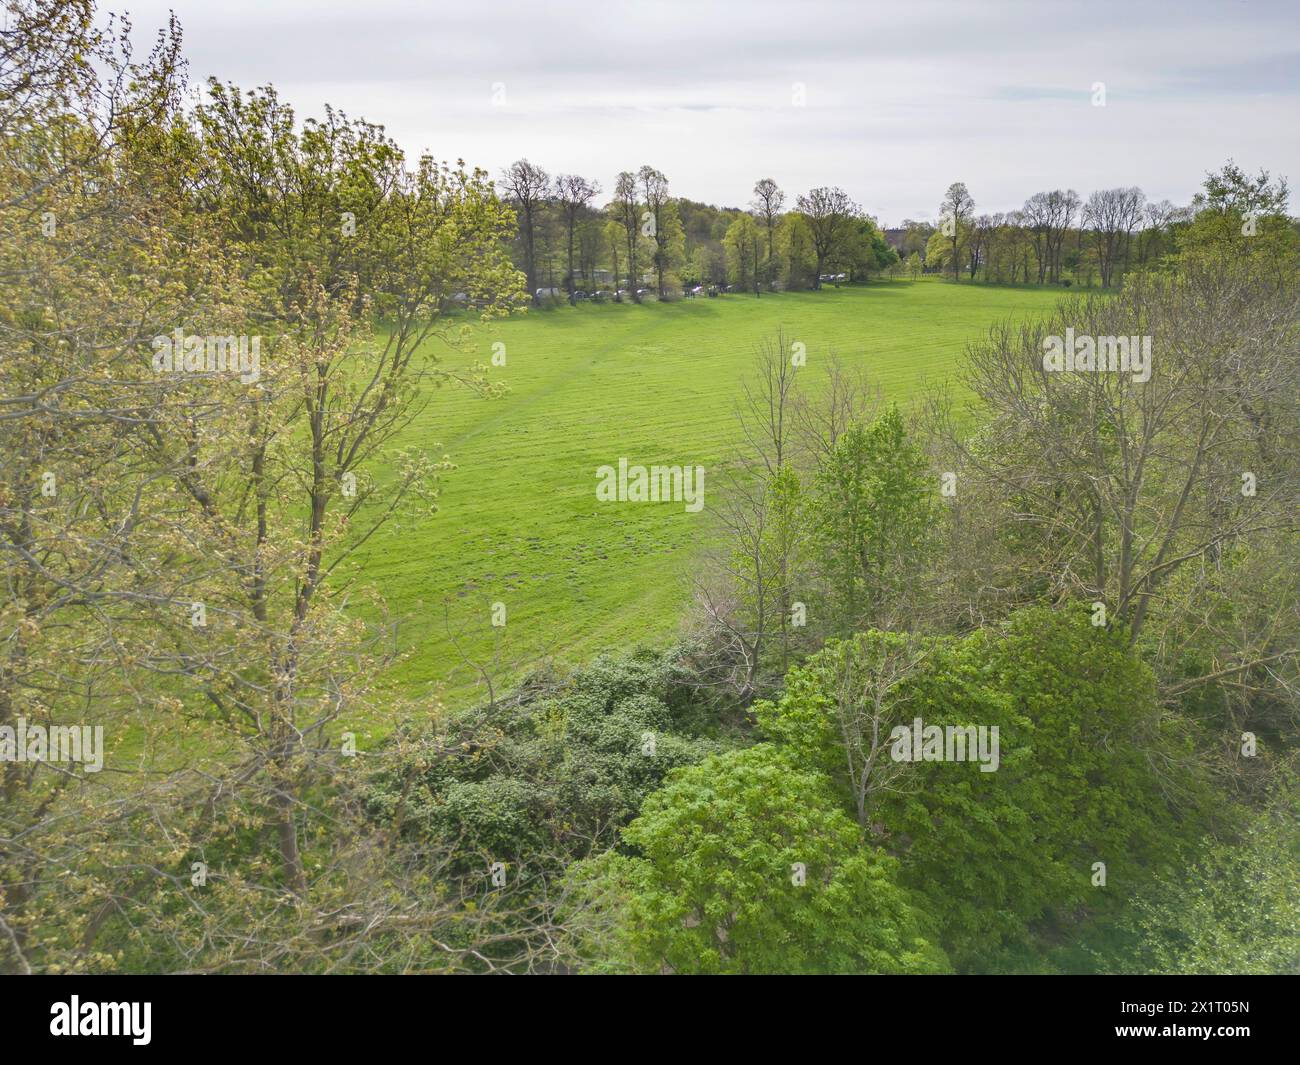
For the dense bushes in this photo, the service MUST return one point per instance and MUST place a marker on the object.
(550, 776)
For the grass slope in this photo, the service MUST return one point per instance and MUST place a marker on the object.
(519, 521)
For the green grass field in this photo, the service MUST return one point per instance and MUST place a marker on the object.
(519, 521)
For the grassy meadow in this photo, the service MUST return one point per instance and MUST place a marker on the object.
(518, 520)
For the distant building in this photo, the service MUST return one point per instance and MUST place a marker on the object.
(894, 238)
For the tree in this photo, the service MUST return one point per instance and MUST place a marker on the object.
(326, 406)
(661, 221)
(574, 193)
(872, 503)
(938, 251)
(797, 252)
(748, 866)
(830, 215)
(184, 580)
(1159, 221)
(1112, 215)
(955, 210)
(743, 243)
(1048, 216)
(982, 230)
(528, 188)
(90, 268)
(1229, 189)
(915, 236)
(591, 243)
(768, 201)
(627, 215)
(1110, 482)
(614, 237)
(865, 252)
(840, 712)
(1235, 216)
(746, 590)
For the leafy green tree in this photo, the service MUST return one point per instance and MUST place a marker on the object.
(866, 252)
(795, 250)
(1240, 217)
(746, 865)
(940, 248)
(782, 549)
(662, 225)
(744, 244)
(872, 510)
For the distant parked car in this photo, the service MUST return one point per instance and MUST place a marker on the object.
(549, 293)
(580, 295)
(698, 290)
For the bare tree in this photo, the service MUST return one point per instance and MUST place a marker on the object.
(765, 410)
(1131, 492)
(1157, 220)
(1112, 215)
(506, 660)
(982, 230)
(746, 590)
(845, 398)
(574, 193)
(1048, 216)
(528, 188)
(627, 215)
(870, 700)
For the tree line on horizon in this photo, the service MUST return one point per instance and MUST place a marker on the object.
(646, 238)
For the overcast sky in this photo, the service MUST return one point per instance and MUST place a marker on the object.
(898, 99)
